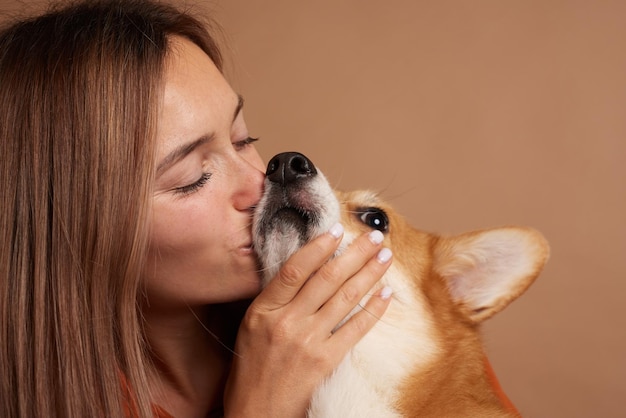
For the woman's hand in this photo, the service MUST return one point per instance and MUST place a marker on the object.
(286, 345)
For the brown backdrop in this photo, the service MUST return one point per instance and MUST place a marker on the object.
(467, 115)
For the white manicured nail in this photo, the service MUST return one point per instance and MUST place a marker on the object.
(386, 293)
(376, 236)
(336, 230)
(384, 255)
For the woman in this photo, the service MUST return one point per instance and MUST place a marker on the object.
(127, 185)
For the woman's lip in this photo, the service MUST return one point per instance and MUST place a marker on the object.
(247, 248)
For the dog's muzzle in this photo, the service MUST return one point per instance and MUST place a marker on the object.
(289, 203)
(297, 205)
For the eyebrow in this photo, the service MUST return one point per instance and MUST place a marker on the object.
(185, 149)
(239, 106)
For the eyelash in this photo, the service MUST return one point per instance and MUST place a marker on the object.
(239, 145)
(194, 187)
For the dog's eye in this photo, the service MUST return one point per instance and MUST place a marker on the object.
(374, 218)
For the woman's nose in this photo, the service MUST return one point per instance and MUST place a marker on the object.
(251, 178)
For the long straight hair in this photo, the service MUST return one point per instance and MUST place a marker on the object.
(80, 90)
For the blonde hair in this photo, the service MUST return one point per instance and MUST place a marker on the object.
(80, 88)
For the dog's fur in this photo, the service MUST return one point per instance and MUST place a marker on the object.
(424, 357)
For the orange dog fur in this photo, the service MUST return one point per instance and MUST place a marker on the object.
(424, 358)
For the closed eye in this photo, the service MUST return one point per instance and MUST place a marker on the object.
(193, 187)
(240, 145)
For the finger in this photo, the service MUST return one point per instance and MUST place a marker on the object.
(297, 270)
(350, 333)
(354, 290)
(330, 277)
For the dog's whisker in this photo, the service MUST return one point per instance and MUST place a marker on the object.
(391, 181)
(400, 194)
(246, 226)
(337, 182)
(270, 267)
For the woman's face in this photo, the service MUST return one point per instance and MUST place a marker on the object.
(208, 178)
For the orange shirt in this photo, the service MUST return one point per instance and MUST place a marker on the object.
(161, 413)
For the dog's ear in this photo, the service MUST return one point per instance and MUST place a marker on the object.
(486, 270)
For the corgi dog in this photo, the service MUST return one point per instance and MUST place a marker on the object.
(424, 357)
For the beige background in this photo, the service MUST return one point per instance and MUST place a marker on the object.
(469, 114)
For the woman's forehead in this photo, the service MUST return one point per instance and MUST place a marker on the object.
(197, 99)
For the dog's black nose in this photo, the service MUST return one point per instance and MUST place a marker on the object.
(289, 167)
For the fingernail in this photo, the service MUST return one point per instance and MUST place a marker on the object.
(336, 230)
(386, 293)
(376, 237)
(384, 255)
